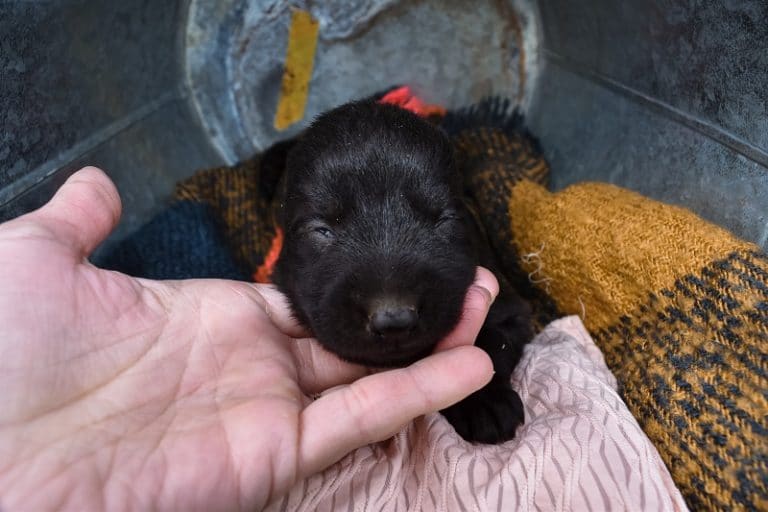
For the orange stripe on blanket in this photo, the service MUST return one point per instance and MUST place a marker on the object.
(263, 274)
(404, 97)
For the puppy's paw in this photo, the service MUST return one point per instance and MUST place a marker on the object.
(490, 415)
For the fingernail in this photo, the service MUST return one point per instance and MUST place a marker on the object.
(489, 297)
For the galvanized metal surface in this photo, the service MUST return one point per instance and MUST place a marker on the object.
(667, 97)
(235, 51)
(90, 82)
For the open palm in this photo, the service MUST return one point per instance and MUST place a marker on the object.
(124, 393)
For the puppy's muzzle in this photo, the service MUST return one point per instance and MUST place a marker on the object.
(392, 318)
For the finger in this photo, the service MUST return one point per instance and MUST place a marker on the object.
(478, 300)
(319, 369)
(278, 309)
(376, 407)
(83, 212)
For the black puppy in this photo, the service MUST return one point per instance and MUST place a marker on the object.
(380, 250)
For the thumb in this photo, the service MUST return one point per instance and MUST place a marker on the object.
(376, 407)
(83, 212)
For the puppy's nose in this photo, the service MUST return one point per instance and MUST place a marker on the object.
(393, 319)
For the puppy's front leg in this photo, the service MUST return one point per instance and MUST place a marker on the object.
(492, 414)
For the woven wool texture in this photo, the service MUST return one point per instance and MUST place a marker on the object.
(494, 152)
(679, 307)
(243, 209)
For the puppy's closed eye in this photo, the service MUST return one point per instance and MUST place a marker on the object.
(448, 216)
(319, 232)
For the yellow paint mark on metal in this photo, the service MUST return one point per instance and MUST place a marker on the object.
(299, 60)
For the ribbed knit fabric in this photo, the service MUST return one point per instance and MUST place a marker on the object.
(184, 241)
(494, 152)
(679, 308)
(243, 210)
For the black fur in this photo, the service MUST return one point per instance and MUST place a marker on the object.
(380, 250)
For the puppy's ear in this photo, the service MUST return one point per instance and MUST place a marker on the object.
(273, 166)
(448, 166)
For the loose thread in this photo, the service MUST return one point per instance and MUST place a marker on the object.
(535, 259)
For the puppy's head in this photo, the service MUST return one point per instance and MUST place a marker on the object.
(377, 256)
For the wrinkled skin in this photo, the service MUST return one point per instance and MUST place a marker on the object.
(130, 394)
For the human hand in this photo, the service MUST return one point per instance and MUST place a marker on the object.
(125, 393)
